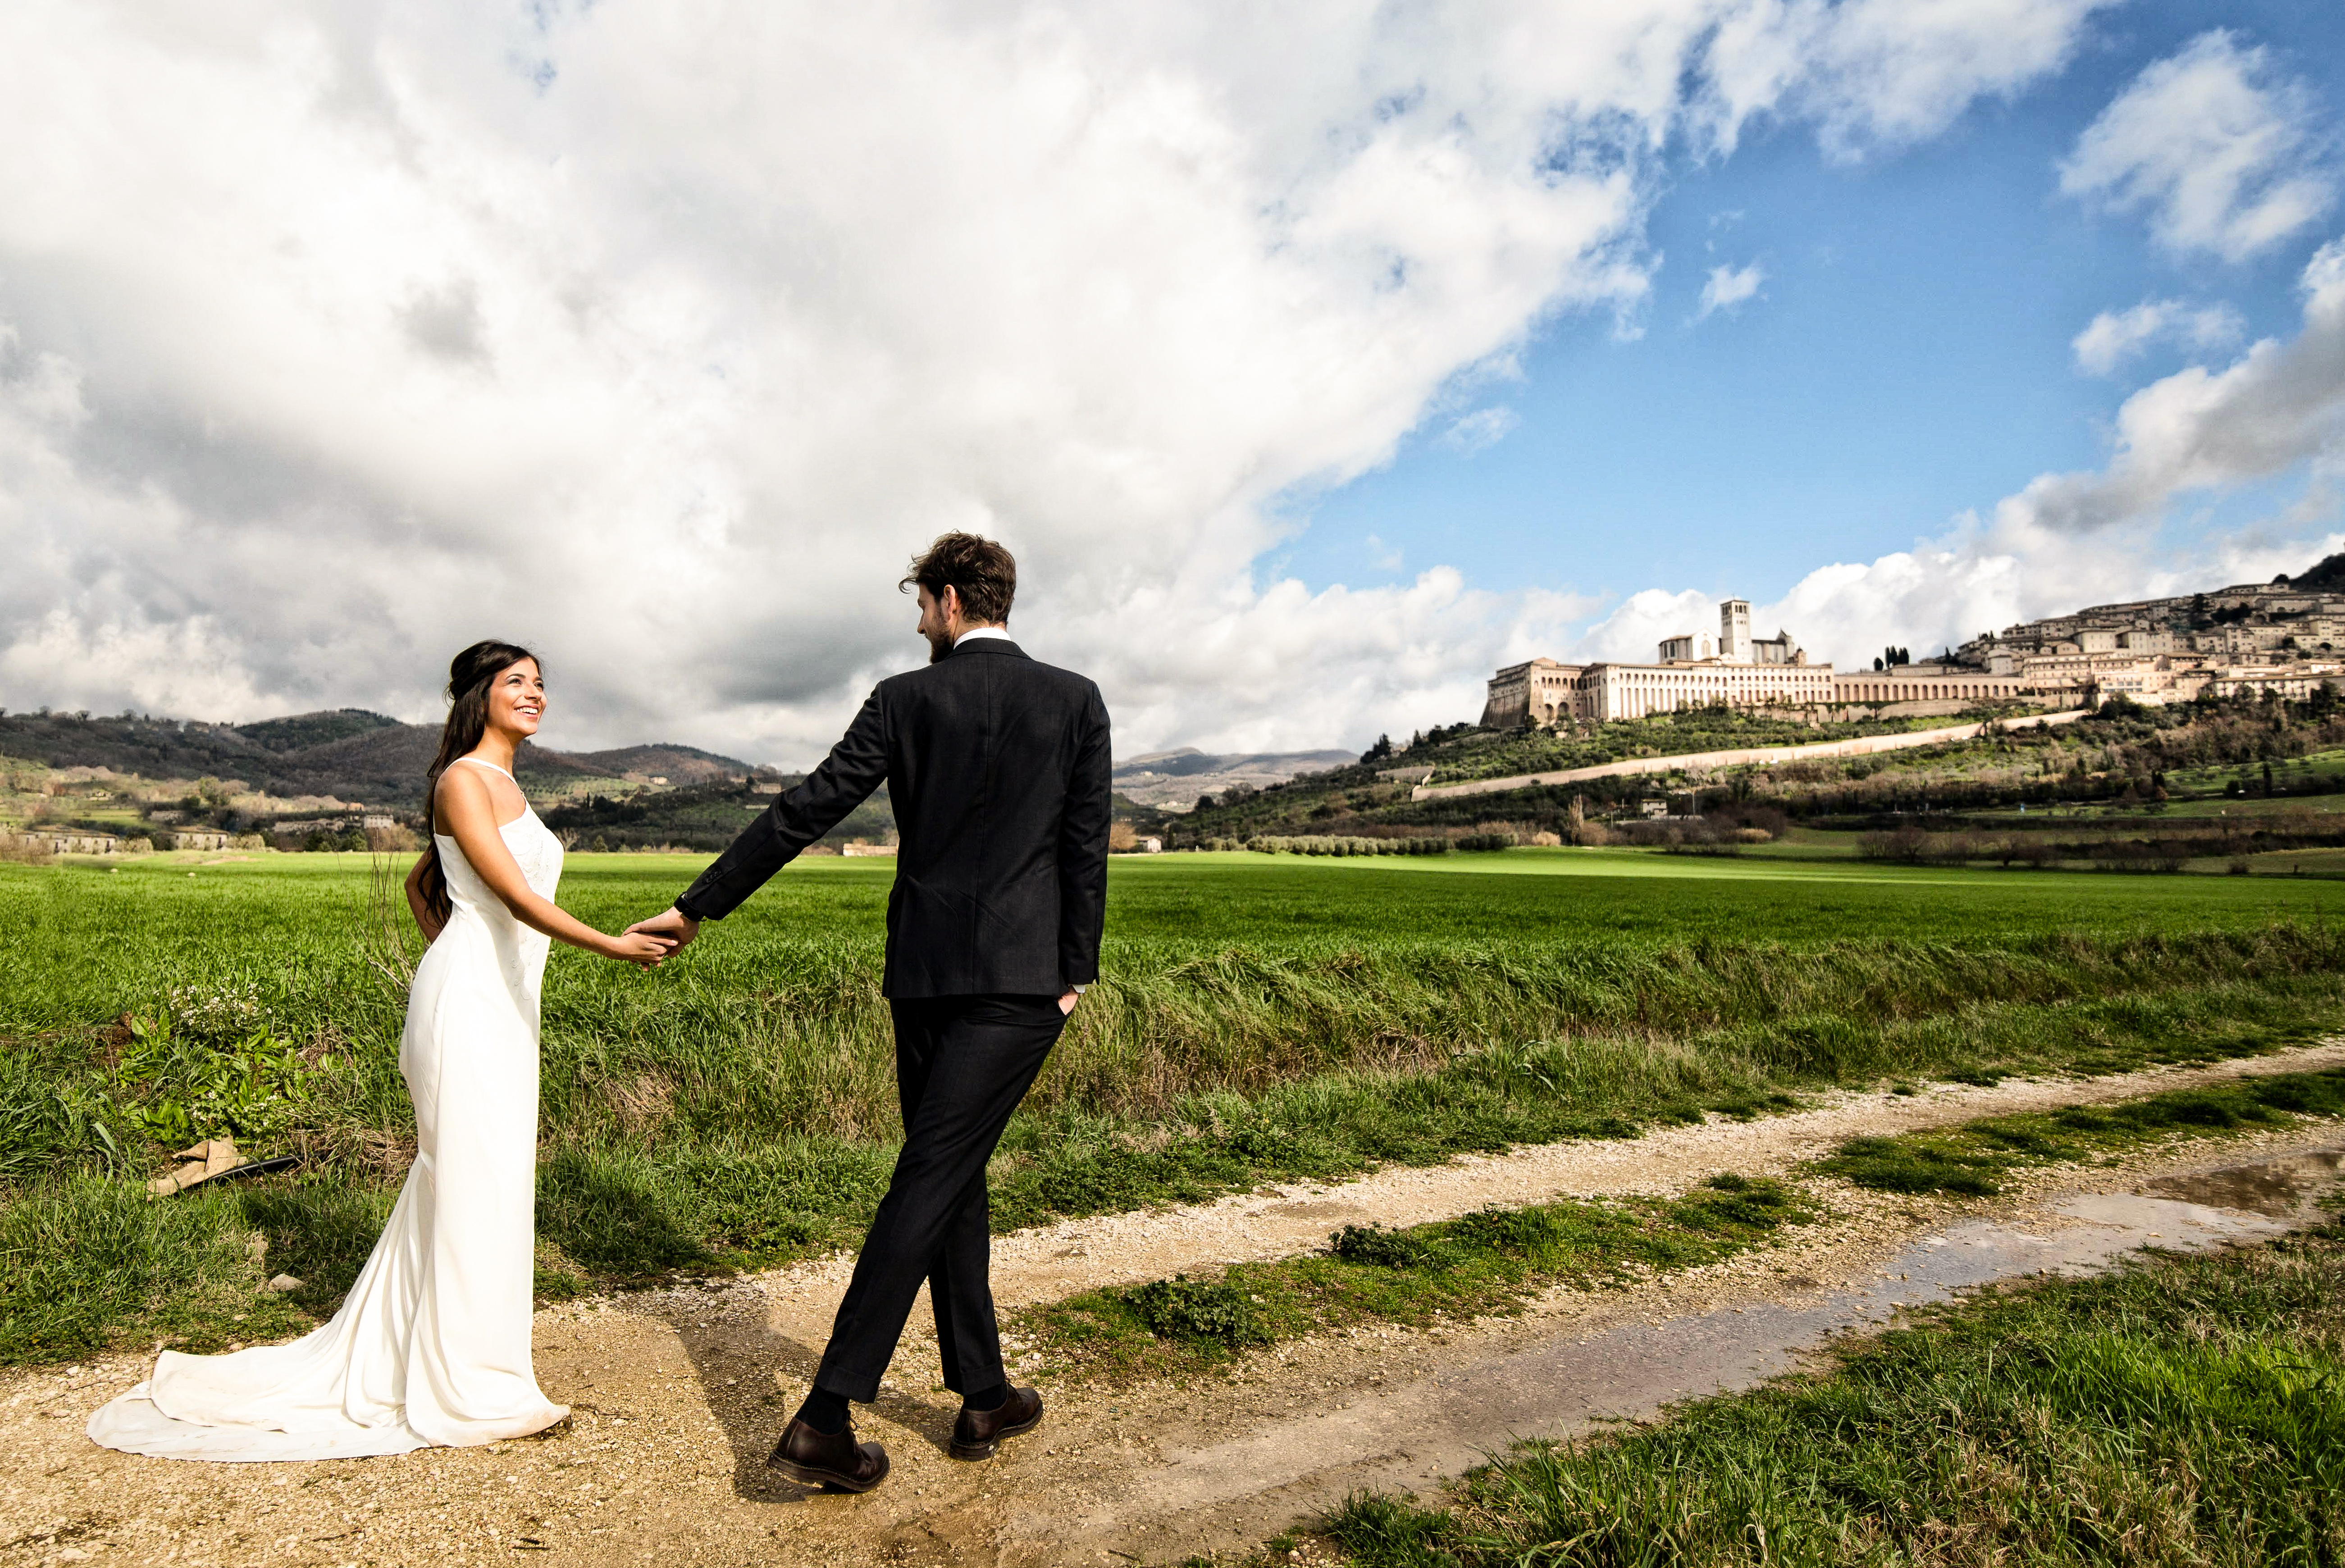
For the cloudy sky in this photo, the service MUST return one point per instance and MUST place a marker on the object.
(1313, 358)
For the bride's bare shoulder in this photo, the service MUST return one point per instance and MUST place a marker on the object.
(457, 780)
(461, 789)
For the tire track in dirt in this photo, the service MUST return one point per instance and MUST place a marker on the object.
(679, 1392)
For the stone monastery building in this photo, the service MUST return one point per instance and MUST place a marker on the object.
(2284, 637)
(1742, 671)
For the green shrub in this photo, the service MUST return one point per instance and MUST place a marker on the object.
(180, 1088)
(1327, 844)
(1203, 1310)
(1374, 1244)
(1897, 1165)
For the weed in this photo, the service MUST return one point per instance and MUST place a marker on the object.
(1202, 1311)
(1385, 1249)
(177, 1085)
(1914, 1165)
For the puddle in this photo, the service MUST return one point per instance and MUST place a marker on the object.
(1408, 1437)
(2286, 1188)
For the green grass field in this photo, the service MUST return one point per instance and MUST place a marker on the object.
(1258, 1017)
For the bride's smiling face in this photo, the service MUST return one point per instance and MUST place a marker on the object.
(517, 699)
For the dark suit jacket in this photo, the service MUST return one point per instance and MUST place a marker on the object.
(997, 768)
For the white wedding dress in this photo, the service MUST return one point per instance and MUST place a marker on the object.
(432, 1346)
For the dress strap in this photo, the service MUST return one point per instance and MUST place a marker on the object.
(493, 767)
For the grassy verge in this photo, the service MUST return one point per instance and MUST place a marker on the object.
(1481, 1263)
(2182, 1411)
(616, 1207)
(1976, 1158)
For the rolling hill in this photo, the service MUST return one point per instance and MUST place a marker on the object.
(1174, 780)
(346, 752)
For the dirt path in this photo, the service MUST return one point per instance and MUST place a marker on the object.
(679, 1393)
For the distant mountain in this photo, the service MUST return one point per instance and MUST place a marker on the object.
(705, 816)
(1173, 780)
(387, 765)
(302, 730)
(152, 748)
(677, 765)
(347, 752)
(382, 766)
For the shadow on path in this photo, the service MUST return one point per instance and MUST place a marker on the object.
(754, 1378)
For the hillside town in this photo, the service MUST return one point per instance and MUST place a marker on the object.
(2286, 636)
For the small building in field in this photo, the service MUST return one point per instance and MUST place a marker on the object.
(65, 841)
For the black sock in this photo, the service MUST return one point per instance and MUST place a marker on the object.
(984, 1400)
(825, 1412)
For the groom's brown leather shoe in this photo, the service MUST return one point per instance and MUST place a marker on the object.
(828, 1459)
(977, 1433)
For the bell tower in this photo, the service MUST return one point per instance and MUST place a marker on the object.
(1734, 631)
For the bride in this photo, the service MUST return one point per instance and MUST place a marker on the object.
(432, 1346)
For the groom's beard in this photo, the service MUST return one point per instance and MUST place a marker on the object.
(939, 644)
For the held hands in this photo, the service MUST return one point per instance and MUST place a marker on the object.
(644, 951)
(672, 928)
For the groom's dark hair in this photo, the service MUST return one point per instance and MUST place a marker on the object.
(985, 574)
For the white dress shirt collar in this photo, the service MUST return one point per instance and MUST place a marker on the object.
(975, 632)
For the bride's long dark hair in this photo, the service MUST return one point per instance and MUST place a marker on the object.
(470, 676)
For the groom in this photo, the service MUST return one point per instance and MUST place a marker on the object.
(998, 769)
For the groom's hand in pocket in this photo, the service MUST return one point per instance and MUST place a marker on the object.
(673, 923)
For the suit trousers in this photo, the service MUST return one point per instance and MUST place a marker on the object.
(962, 1063)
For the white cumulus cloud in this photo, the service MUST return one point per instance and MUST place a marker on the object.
(2278, 405)
(2218, 148)
(1481, 430)
(1879, 73)
(659, 335)
(2114, 337)
(1729, 286)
